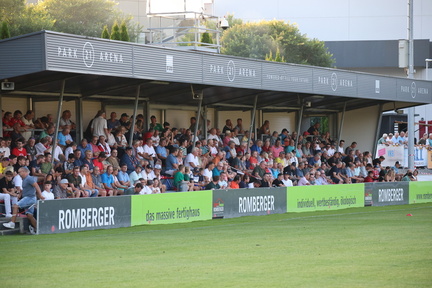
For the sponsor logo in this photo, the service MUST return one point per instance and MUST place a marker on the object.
(231, 71)
(256, 204)
(391, 195)
(334, 79)
(86, 217)
(413, 90)
(218, 206)
(88, 54)
(335, 82)
(169, 64)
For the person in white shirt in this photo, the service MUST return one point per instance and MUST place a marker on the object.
(192, 159)
(286, 181)
(99, 126)
(145, 189)
(47, 191)
(148, 173)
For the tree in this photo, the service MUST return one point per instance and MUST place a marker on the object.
(4, 33)
(261, 39)
(115, 32)
(206, 38)
(105, 33)
(277, 58)
(124, 35)
(22, 18)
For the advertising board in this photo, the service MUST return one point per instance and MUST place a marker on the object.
(248, 202)
(68, 215)
(420, 192)
(388, 193)
(325, 197)
(171, 207)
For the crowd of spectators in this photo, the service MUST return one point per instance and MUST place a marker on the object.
(165, 158)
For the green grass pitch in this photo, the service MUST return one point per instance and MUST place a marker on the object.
(357, 247)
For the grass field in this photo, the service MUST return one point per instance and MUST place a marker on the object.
(358, 247)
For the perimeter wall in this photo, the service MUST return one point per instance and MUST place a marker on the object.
(68, 215)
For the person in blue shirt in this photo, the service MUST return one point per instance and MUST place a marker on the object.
(129, 160)
(108, 181)
(84, 146)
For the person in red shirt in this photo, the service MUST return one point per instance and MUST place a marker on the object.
(369, 177)
(19, 150)
(17, 118)
(98, 162)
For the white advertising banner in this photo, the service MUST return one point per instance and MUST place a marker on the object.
(400, 153)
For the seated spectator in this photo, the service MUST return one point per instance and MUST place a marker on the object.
(4, 148)
(108, 181)
(88, 160)
(97, 183)
(87, 187)
(304, 181)
(19, 149)
(75, 181)
(64, 137)
(214, 184)
(47, 193)
(129, 160)
(286, 181)
(8, 192)
(31, 149)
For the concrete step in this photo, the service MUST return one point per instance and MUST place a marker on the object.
(21, 225)
(9, 231)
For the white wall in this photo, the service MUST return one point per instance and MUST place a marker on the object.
(359, 126)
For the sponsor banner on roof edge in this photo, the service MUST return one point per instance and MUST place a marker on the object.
(420, 192)
(388, 193)
(171, 208)
(68, 215)
(325, 197)
(248, 202)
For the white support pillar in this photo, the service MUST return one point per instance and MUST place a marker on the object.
(59, 109)
(131, 130)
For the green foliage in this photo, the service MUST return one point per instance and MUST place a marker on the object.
(82, 17)
(4, 32)
(254, 40)
(206, 38)
(278, 57)
(124, 35)
(23, 18)
(115, 32)
(105, 33)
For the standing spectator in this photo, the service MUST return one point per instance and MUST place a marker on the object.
(99, 125)
(113, 123)
(30, 189)
(154, 125)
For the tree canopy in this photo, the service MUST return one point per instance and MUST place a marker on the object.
(260, 39)
(82, 17)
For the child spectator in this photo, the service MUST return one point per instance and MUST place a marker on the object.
(47, 194)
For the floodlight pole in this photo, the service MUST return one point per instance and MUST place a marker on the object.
(411, 76)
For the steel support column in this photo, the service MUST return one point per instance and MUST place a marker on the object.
(59, 109)
(342, 122)
(197, 121)
(300, 118)
(252, 126)
(377, 131)
(132, 128)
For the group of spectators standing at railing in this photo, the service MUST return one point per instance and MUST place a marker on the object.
(402, 139)
(165, 158)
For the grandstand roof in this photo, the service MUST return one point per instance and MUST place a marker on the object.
(100, 68)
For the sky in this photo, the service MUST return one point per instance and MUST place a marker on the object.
(337, 19)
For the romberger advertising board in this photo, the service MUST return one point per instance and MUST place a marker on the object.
(248, 202)
(388, 193)
(325, 197)
(170, 208)
(68, 215)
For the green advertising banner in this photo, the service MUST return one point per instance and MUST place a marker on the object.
(170, 208)
(420, 192)
(325, 197)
